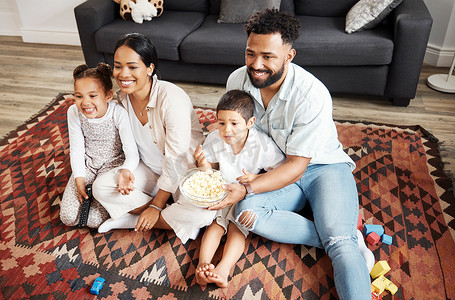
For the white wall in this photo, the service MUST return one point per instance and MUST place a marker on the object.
(441, 45)
(52, 22)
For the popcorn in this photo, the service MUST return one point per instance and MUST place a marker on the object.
(205, 186)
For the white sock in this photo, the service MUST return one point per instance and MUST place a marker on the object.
(366, 253)
(128, 221)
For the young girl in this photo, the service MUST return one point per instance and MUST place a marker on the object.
(100, 140)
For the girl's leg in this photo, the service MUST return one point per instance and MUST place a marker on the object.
(209, 244)
(332, 193)
(70, 205)
(272, 214)
(233, 250)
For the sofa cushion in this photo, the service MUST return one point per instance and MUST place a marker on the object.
(167, 45)
(215, 43)
(323, 8)
(286, 5)
(239, 11)
(323, 42)
(187, 5)
(366, 14)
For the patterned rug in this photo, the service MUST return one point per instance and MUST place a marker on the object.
(400, 182)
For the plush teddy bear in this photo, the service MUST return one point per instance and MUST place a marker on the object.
(125, 9)
(142, 10)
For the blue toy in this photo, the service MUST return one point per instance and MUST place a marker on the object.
(386, 239)
(97, 285)
(369, 228)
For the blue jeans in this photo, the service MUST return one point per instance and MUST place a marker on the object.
(332, 194)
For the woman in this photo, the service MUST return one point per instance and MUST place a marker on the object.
(167, 132)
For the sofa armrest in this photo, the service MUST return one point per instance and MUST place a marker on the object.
(412, 24)
(90, 16)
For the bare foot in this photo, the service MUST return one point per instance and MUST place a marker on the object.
(218, 277)
(201, 278)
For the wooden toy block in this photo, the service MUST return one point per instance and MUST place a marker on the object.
(379, 285)
(373, 238)
(375, 296)
(379, 269)
(391, 287)
(369, 228)
(386, 239)
(360, 223)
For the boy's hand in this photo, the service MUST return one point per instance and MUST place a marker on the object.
(125, 182)
(147, 219)
(81, 192)
(248, 177)
(201, 161)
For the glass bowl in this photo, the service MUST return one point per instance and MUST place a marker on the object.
(196, 186)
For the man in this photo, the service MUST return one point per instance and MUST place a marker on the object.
(295, 109)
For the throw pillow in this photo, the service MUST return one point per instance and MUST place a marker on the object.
(366, 14)
(239, 11)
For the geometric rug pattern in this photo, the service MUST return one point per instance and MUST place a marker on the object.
(400, 183)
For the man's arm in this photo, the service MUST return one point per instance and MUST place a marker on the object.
(287, 173)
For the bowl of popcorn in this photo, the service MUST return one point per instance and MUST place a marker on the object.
(203, 188)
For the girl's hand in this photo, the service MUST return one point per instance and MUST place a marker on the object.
(248, 177)
(147, 219)
(81, 192)
(201, 161)
(125, 182)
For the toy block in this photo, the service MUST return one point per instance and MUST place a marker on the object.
(386, 239)
(375, 296)
(379, 269)
(391, 287)
(379, 285)
(360, 223)
(373, 238)
(369, 228)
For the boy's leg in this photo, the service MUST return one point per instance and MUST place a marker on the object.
(233, 250)
(209, 244)
(333, 197)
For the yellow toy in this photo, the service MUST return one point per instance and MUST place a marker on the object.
(381, 283)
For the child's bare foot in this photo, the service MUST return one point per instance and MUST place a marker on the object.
(218, 276)
(201, 278)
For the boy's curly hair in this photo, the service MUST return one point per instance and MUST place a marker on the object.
(273, 21)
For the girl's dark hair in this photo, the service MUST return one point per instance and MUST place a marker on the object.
(273, 21)
(143, 46)
(102, 73)
(238, 101)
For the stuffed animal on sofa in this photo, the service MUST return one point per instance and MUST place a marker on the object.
(125, 9)
(142, 10)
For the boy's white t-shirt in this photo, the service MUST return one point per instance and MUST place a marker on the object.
(259, 152)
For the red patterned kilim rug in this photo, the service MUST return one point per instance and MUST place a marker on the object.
(400, 182)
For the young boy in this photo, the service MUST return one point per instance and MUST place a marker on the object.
(240, 151)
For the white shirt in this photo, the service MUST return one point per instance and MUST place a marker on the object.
(299, 116)
(259, 152)
(77, 144)
(148, 151)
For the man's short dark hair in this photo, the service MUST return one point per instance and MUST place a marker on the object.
(239, 101)
(273, 21)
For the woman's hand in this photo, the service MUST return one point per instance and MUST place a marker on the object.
(201, 161)
(125, 182)
(236, 193)
(81, 192)
(147, 219)
(248, 177)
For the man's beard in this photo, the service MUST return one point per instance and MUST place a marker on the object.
(269, 81)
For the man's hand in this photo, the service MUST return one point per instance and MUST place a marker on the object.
(201, 161)
(81, 192)
(236, 193)
(248, 177)
(125, 182)
(147, 219)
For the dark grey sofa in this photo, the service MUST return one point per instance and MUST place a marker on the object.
(383, 61)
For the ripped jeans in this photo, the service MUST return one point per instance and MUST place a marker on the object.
(332, 194)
